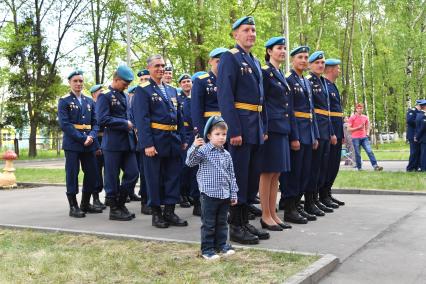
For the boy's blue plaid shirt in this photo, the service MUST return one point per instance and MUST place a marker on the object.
(215, 176)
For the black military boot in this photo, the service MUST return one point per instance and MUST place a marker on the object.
(260, 233)
(281, 203)
(107, 201)
(326, 200)
(157, 218)
(305, 214)
(85, 205)
(310, 206)
(184, 202)
(254, 210)
(115, 212)
(122, 199)
(145, 209)
(197, 207)
(134, 197)
(320, 205)
(74, 209)
(290, 213)
(237, 232)
(97, 202)
(335, 200)
(172, 218)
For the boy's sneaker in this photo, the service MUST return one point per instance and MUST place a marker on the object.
(378, 168)
(227, 250)
(210, 256)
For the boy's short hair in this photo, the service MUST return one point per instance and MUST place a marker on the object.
(359, 105)
(220, 125)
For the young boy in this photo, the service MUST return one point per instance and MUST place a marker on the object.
(217, 184)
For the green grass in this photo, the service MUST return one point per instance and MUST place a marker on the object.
(41, 175)
(399, 145)
(35, 257)
(41, 154)
(381, 180)
(381, 155)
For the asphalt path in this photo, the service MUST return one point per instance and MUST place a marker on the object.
(377, 238)
(60, 163)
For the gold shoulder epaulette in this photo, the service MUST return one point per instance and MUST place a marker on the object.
(206, 75)
(234, 50)
(265, 67)
(287, 74)
(144, 84)
(309, 76)
(65, 96)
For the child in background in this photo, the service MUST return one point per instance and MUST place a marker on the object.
(217, 184)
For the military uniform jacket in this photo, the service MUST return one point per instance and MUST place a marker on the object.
(279, 102)
(150, 106)
(72, 113)
(113, 112)
(321, 103)
(203, 99)
(411, 123)
(302, 103)
(335, 107)
(421, 127)
(240, 80)
(188, 125)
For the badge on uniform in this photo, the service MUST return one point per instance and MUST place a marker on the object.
(174, 101)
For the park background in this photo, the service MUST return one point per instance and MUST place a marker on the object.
(381, 45)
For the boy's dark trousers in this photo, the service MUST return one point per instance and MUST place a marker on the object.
(214, 228)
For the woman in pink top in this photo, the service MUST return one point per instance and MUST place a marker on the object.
(359, 127)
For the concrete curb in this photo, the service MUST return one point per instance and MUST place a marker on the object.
(312, 274)
(374, 191)
(315, 271)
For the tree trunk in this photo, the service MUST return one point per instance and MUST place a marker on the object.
(32, 151)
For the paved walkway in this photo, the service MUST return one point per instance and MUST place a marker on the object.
(378, 239)
(60, 164)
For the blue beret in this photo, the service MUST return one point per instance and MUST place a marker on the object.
(184, 77)
(300, 49)
(131, 89)
(316, 55)
(217, 52)
(213, 120)
(196, 74)
(125, 73)
(276, 40)
(74, 73)
(143, 72)
(95, 88)
(247, 20)
(168, 68)
(332, 62)
(421, 102)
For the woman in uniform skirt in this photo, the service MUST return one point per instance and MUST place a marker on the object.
(276, 150)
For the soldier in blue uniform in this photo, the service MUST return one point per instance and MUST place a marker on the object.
(204, 93)
(294, 184)
(77, 119)
(241, 100)
(95, 91)
(143, 76)
(331, 72)
(184, 98)
(168, 75)
(414, 160)
(319, 202)
(159, 122)
(281, 122)
(132, 196)
(420, 136)
(118, 143)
